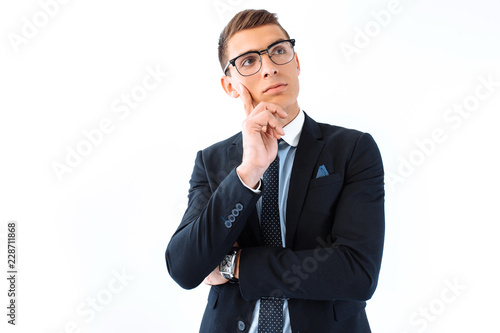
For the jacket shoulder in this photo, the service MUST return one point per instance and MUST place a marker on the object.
(339, 133)
(221, 157)
(216, 147)
(345, 143)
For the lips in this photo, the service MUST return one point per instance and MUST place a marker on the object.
(275, 88)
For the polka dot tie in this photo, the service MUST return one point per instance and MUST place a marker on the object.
(271, 309)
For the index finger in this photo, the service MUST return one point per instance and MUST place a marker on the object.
(246, 98)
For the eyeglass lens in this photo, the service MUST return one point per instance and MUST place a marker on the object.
(250, 63)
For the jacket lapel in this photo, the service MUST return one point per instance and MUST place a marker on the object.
(307, 154)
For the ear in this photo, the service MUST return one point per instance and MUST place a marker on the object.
(229, 87)
(298, 63)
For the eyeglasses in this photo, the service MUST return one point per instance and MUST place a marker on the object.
(249, 63)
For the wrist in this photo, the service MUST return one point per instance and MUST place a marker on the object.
(249, 176)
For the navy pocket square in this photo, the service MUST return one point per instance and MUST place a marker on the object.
(322, 172)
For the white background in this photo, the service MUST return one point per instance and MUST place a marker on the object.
(116, 210)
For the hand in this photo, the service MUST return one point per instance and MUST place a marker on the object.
(261, 129)
(215, 278)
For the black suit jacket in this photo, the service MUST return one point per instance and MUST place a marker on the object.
(334, 234)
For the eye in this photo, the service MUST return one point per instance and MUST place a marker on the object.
(279, 50)
(248, 60)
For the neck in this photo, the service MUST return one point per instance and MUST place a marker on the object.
(292, 112)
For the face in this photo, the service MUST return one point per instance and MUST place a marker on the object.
(285, 76)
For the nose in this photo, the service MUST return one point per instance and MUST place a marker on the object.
(269, 68)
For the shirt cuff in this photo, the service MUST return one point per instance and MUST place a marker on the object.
(257, 190)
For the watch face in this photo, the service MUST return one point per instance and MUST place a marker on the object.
(226, 264)
(226, 267)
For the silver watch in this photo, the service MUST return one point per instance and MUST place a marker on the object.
(227, 266)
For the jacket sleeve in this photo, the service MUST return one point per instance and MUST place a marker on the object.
(346, 267)
(214, 218)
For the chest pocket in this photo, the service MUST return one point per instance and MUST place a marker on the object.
(326, 180)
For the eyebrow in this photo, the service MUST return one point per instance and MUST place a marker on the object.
(255, 50)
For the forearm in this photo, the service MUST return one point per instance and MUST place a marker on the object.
(206, 232)
(335, 272)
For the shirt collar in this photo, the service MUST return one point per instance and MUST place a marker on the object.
(293, 130)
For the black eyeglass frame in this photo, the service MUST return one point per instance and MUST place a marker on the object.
(233, 61)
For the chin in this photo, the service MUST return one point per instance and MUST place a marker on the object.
(281, 100)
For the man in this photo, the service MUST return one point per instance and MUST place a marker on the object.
(286, 218)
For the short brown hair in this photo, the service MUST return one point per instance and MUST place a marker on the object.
(246, 19)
